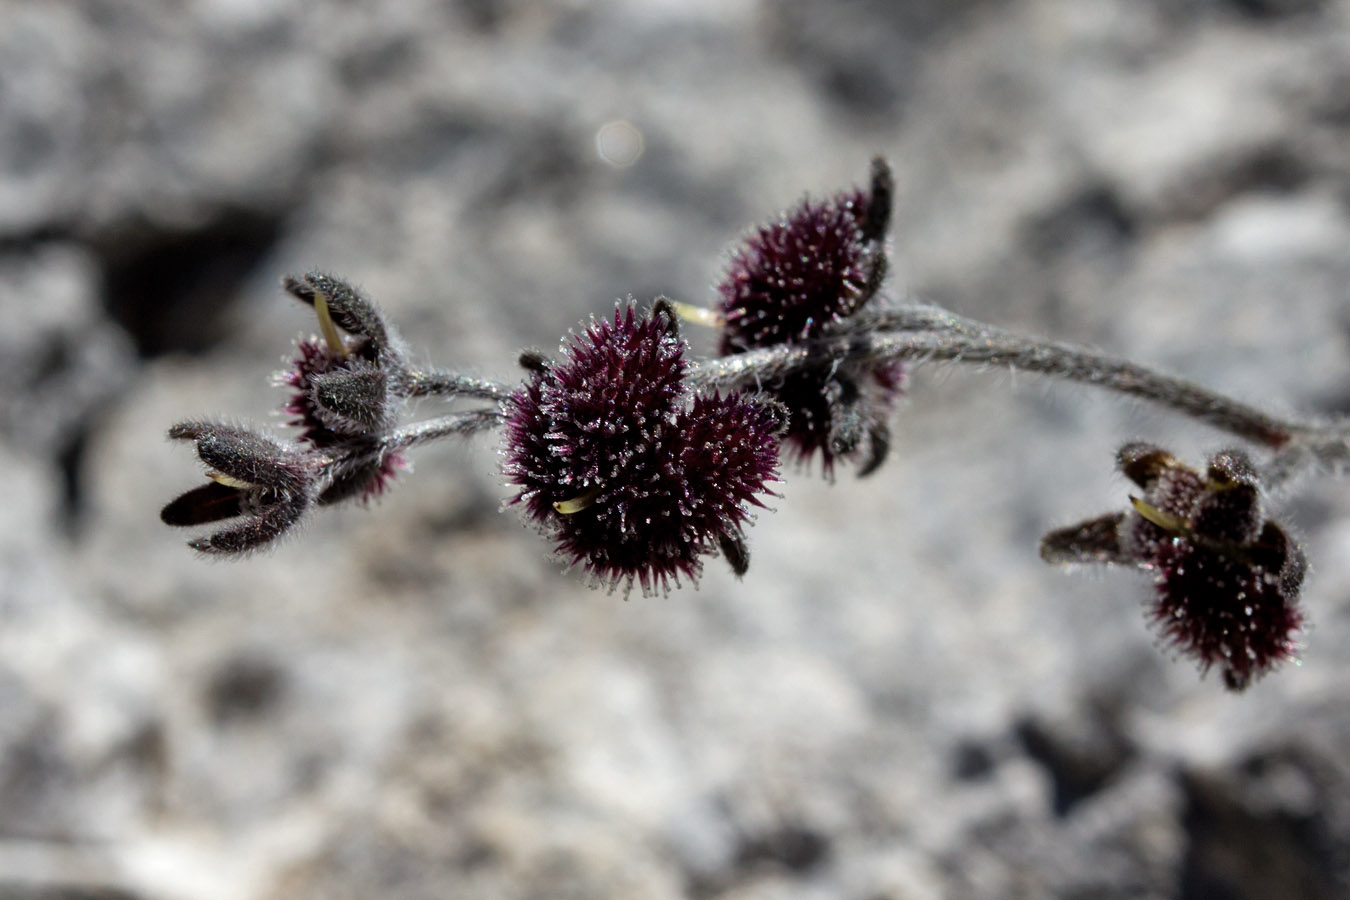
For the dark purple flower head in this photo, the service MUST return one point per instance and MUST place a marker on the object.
(793, 277)
(635, 480)
(1227, 579)
(791, 281)
(348, 387)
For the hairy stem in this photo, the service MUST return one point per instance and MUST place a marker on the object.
(922, 332)
(931, 333)
(438, 383)
(458, 424)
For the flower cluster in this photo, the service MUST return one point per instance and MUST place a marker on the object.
(1227, 579)
(348, 389)
(790, 282)
(638, 464)
(633, 477)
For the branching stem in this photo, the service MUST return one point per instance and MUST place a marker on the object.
(922, 332)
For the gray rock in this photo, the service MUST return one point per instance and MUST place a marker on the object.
(898, 700)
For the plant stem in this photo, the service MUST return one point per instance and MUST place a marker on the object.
(457, 424)
(931, 333)
(923, 332)
(438, 383)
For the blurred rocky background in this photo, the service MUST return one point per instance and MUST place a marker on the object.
(898, 702)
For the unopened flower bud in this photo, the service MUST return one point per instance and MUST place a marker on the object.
(265, 485)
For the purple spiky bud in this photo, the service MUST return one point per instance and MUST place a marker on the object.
(634, 479)
(794, 276)
(793, 279)
(817, 264)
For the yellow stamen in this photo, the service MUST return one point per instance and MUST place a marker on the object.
(1164, 520)
(229, 480)
(699, 315)
(579, 502)
(331, 336)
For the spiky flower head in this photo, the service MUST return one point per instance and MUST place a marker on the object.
(1226, 578)
(633, 478)
(792, 280)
